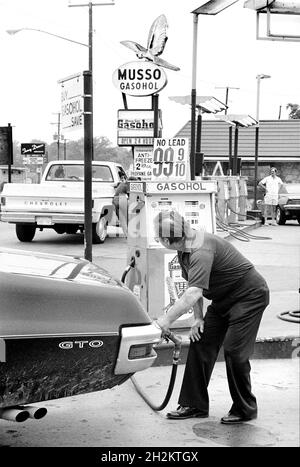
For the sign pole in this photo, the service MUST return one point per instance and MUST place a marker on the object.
(88, 157)
(193, 97)
(230, 151)
(236, 142)
(155, 108)
(10, 151)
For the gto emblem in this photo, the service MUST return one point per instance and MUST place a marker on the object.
(80, 344)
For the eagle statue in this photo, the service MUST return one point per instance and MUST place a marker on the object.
(157, 39)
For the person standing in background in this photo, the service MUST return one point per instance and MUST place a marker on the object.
(120, 202)
(271, 185)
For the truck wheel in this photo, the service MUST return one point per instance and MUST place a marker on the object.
(99, 231)
(280, 216)
(25, 233)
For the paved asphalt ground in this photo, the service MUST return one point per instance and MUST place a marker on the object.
(120, 418)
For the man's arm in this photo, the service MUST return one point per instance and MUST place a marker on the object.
(181, 306)
(198, 308)
(262, 185)
(198, 325)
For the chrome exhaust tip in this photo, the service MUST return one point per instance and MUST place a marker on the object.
(35, 412)
(14, 414)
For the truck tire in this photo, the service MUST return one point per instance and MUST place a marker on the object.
(280, 216)
(25, 233)
(99, 231)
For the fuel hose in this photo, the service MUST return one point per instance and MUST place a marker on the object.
(176, 352)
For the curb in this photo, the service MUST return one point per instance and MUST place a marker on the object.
(265, 348)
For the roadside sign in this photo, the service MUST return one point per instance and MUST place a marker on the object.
(136, 124)
(33, 148)
(33, 160)
(134, 141)
(5, 145)
(72, 102)
(139, 78)
(142, 162)
(170, 159)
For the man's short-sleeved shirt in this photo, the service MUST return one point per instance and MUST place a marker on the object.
(272, 184)
(216, 266)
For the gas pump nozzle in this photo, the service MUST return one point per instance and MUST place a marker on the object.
(169, 335)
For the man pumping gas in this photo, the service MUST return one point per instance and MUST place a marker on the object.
(216, 270)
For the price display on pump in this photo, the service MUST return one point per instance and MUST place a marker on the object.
(170, 159)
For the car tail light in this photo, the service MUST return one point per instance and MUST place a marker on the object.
(3, 200)
(140, 351)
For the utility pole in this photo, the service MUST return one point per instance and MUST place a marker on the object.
(88, 134)
(58, 123)
(58, 135)
(65, 149)
(90, 6)
(227, 93)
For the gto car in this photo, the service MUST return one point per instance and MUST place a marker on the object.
(66, 327)
(288, 203)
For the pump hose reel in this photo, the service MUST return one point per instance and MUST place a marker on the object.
(291, 316)
(176, 352)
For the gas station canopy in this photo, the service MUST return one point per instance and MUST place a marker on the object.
(213, 7)
(240, 120)
(207, 104)
(291, 7)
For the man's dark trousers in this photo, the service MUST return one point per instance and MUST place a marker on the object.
(233, 322)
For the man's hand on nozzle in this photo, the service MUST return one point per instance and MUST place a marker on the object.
(164, 323)
(196, 330)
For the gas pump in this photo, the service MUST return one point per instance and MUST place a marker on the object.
(156, 276)
(233, 199)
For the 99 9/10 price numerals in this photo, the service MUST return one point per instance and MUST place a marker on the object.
(168, 163)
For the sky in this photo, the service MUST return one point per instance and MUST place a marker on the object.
(229, 55)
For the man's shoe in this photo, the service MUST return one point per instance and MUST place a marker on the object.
(186, 412)
(231, 419)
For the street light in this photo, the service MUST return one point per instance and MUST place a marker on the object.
(88, 123)
(15, 31)
(212, 7)
(258, 79)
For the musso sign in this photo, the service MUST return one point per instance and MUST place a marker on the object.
(139, 78)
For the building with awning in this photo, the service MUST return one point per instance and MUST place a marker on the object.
(279, 146)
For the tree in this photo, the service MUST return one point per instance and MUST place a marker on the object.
(294, 111)
(103, 151)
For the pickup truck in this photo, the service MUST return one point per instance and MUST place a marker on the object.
(57, 202)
